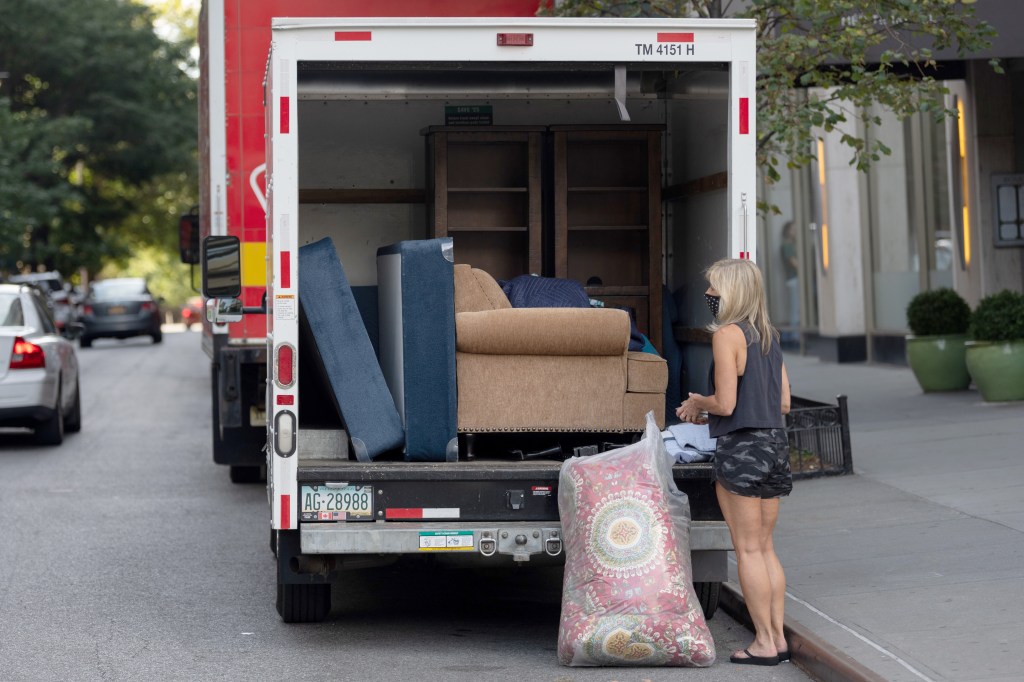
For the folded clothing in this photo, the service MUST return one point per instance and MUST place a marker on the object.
(688, 442)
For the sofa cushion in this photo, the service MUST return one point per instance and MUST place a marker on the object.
(508, 393)
(475, 290)
(417, 342)
(646, 373)
(543, 331)
(344, 353)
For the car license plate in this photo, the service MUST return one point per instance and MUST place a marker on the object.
(116, 310)
(347, 503)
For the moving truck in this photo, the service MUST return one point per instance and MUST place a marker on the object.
(619, 153)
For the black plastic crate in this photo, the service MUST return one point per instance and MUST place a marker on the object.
(819, 438)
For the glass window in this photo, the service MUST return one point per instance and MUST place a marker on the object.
(11, 314)
(113, 289)
(895, 260)
(45, 316)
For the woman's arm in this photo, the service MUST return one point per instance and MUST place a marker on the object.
(726, 344)
(786, 398)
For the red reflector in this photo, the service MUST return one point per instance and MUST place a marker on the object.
(286, 511)
(352, 35)
(285, 365)
(675, 37)
(284, 115)
(403, 513)
(286, 269)
(285, 400)
(744, 116)
(515, 39)
(27, 355)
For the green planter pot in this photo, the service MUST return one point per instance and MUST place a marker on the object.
(997, 368)
(939, 362)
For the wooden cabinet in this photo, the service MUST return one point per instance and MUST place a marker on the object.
(607, 216)
(484, 189)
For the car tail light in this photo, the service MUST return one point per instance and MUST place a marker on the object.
(87, 310)
(284, 365)
(148, 306)
(186, 313)
(27, 355)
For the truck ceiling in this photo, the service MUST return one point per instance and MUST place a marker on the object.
(335, 80)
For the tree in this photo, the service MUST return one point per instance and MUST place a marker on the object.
(107, 106)
(849, 53)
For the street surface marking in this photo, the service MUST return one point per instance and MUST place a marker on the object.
(861, 637)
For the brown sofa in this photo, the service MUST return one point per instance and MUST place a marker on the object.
(548, 369)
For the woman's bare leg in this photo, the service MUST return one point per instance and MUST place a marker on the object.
(744, 517)
(776, 576)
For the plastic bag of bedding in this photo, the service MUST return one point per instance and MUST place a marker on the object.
(628, 598)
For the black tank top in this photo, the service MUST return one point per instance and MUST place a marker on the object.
(758, 391)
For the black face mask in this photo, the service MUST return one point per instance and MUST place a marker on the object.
(713, 303)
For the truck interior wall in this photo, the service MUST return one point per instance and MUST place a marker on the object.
(698, 228)
(346, 144)
(375, 144)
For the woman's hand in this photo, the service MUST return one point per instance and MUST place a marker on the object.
(691, 410)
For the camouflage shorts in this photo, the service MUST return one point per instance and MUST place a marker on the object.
(754, 463)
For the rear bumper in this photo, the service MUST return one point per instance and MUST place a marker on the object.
(383, 537)
(26, 396)
(134, 326)
(25, 416)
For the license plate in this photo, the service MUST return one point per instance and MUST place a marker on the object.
(347, 503)
(115, 310)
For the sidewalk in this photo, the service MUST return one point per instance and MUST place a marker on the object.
(913, 566)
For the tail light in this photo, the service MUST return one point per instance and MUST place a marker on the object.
(87, 310)
(27, 355)
(186, 314)
(284, 365)
(148, 306)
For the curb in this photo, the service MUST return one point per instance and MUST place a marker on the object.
(813, 654)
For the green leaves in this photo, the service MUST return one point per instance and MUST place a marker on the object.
(98, 107)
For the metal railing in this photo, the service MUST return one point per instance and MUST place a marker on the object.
(819, 438)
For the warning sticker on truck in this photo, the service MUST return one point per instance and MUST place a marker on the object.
(446, 541)
(284, 307)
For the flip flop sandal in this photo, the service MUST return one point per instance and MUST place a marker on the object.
(785, 656)
(751, 659)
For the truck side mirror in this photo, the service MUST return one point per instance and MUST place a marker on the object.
(188, 238)
(222, 267)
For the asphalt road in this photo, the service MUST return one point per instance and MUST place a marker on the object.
(126, 554)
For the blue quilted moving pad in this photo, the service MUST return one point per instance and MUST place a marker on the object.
(346, 353)
(416, 295)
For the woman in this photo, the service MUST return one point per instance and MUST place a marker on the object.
(749, 394)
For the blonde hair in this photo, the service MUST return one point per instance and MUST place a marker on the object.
(741, 287)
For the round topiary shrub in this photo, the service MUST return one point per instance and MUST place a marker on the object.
(938, 312)
(999, 317)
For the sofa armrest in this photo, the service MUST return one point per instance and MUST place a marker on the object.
(543, 331)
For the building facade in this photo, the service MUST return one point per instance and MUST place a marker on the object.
(945, 209)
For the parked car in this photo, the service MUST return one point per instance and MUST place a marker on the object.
(192, 311)
(38, 368)
(58, 295)
(120, 308)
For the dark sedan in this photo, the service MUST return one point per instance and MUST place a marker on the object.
(120, 308)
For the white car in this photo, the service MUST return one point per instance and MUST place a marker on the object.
(38, 368)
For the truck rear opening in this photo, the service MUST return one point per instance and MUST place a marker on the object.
(351, 107)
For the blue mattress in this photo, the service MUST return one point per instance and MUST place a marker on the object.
(346, 354)
(416, 296)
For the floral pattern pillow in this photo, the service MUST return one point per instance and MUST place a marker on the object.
(628, 598)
